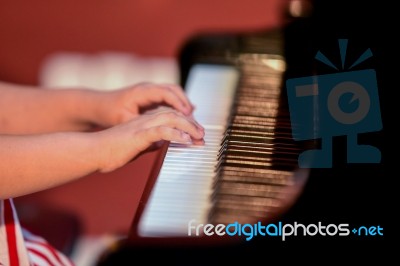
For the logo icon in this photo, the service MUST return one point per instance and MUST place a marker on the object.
(343, 103)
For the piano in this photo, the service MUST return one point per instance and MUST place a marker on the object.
(248, 169)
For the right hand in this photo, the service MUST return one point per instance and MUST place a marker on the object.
(121, 143)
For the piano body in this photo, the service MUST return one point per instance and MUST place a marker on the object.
(248, 170)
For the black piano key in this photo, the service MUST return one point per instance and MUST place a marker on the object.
(249, 175)
(257, 157)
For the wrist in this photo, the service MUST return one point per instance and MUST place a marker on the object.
(90, 107)
(108, 146)
(101, 142)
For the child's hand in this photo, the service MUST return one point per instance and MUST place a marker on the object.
(123, 142)
(122, 105)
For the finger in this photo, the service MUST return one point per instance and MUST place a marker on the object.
(156, 134)
(183, 123)
(197, 123)
(182, 96)
(147, 138)
(198, 142)
(178, 121)
(164, 109)
(167, 95)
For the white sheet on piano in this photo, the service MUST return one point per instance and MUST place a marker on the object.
(184, 185)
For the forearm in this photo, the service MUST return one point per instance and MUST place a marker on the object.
(32, 163)
(25, 110)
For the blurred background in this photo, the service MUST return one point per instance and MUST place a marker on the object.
(42, 42)
(32, 31)
(105, 44)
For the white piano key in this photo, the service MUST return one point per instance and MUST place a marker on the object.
(184, 186)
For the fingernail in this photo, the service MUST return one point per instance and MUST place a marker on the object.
(199, 142)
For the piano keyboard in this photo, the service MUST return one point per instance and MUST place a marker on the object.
(247, 166)
(186, 177)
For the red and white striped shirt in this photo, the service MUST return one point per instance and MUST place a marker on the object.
(18, 247)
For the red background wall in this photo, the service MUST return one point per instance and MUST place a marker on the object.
(32, 30)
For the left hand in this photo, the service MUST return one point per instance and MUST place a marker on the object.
(119, 106)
